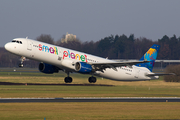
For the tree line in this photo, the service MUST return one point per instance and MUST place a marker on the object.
(111, 47)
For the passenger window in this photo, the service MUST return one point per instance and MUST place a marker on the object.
(20, 42)
(17, 41)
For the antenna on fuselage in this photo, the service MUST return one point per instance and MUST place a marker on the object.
(27, 37)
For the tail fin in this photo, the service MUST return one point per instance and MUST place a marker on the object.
(151, 56)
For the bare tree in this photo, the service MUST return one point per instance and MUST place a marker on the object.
(172, 69)
(45, 38)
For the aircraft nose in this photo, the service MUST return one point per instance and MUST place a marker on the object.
(7, 46)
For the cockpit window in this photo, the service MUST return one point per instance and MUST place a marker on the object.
(19, 42)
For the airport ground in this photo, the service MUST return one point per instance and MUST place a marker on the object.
(28, 83)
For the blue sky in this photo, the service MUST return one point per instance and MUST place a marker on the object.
(88, 19)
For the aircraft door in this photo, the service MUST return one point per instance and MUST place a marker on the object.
(29, 48)
(60, 55)
(29, 45)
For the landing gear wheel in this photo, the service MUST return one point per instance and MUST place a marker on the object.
(92, 79)
(20, 65)
(67, 79)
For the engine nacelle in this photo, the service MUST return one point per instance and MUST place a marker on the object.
(82, 67)
(47, 68)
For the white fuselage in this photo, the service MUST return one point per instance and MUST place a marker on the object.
(65, 58)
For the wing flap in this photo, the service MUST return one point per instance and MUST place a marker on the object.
(118, 64)
(102, 66)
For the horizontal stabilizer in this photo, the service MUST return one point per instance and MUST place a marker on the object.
(159, 74)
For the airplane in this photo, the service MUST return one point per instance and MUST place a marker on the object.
(54, 58)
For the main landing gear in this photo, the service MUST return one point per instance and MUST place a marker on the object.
(92, 79)
(68, 79)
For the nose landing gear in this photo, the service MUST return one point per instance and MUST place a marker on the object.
(22, 59)
(20, 65)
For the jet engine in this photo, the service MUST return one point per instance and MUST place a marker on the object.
(47, 68)
(82, 67)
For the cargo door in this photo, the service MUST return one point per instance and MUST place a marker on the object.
(137, 74)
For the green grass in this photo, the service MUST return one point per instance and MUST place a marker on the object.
(85, 91)
(87, 111)
(154, 88)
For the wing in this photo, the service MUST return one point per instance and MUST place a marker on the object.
(113, 65)
(159, 74)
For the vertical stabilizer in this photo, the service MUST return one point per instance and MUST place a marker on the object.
(151, 56)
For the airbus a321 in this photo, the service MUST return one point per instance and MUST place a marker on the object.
(54, 58)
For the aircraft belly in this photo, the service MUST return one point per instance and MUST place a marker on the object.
(121, 75)
(116, 75)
